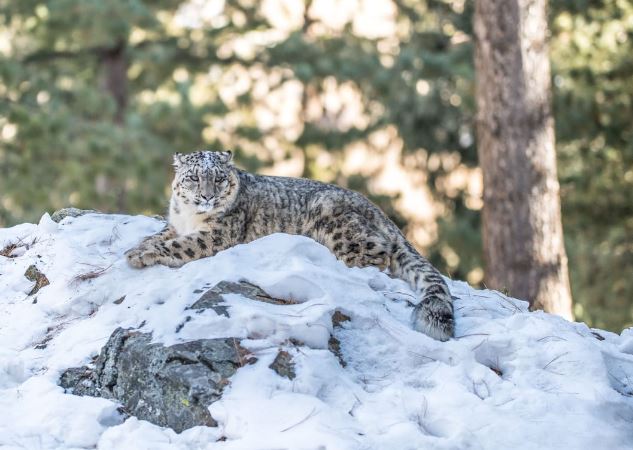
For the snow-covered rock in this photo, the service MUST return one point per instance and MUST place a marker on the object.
(510, 379)
(167, 386)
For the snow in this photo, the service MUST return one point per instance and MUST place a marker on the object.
(555, 384)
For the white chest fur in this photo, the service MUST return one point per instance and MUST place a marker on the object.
(186, 220)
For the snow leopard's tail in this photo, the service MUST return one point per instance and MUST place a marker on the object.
(433, 316)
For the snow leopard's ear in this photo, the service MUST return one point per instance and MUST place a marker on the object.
(226, 157)
(179, 160)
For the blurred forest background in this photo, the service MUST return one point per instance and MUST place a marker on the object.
(374, 95)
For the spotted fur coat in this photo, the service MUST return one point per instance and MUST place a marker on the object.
(215, 206)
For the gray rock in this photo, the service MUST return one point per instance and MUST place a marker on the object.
(168, 386)
(173, 386)
(214, 297)
(283, 365)
(61, 214)
(80, 381)
(334, 344)
(34, 274)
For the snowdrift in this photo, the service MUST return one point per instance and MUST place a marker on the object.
(510, 378)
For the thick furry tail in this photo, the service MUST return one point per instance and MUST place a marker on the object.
(433, 316)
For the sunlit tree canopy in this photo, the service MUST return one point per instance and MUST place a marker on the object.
(375, 95)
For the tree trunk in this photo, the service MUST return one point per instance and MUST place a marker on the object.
(114, 66)
(522, 231)
(114, 78)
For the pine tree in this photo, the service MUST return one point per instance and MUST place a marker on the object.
(75, 131)
(522, 230)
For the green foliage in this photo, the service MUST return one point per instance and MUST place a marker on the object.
(69, 148)
(71, 135)
(592, 55)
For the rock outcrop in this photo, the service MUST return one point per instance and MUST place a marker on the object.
(61, 214)
(168, 386)
(172, 386)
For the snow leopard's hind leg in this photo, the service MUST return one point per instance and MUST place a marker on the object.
(358, 244)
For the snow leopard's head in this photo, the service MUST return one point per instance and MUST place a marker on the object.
(204, 179)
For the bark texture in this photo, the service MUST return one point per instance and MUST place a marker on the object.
(522, 231)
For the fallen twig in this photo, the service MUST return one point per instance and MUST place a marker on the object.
(312, 413)
(556, 358)
(90, 275)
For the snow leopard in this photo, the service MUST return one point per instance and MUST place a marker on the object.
(215, 205)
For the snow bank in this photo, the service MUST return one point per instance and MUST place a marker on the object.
(511, 379)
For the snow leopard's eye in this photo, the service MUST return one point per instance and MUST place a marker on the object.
(193, 178)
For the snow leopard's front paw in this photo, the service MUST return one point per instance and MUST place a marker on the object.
(140, 257)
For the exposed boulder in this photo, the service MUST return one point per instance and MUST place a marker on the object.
(173, 386)
(61, 214)
(214, 297)
(168, 386)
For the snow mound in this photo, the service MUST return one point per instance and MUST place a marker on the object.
(510, 379)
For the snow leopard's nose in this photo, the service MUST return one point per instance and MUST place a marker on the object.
(205, 197)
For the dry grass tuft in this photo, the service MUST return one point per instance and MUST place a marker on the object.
(8, 250)
(90, 275)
